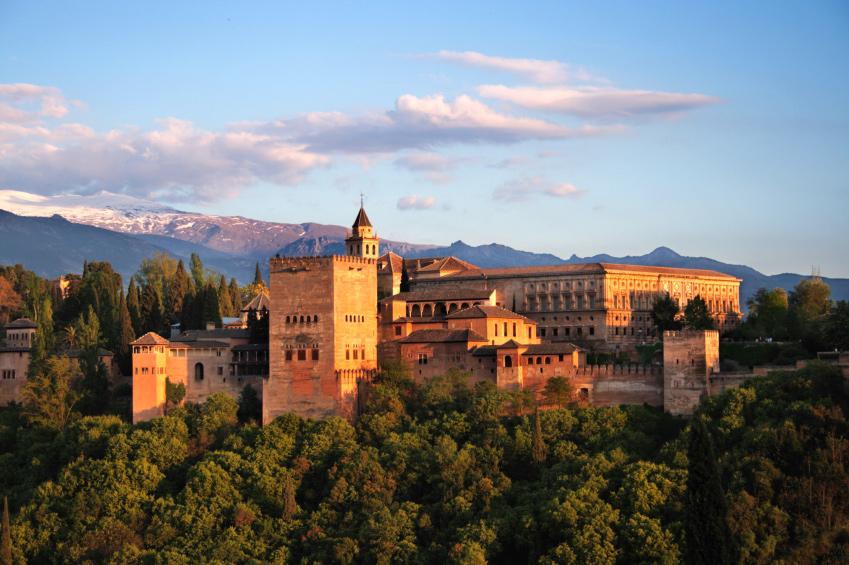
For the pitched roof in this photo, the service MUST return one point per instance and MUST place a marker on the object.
(362, 220)
(512, 344)
(443, 336)
(21, 323)
(151, 338)
(584, 269)
(442, 294)
(485, 311)
(258, 302)
(554, 348)
(484, 351)
(446, 262)
(217, 333)
(390, 262)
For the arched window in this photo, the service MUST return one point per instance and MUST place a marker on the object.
(198, 371)
(464, 305)
(417, 311)
(287, 319)
(428, 311)
(539, 360)
(508, 361)
(302, 319)
(315, 318)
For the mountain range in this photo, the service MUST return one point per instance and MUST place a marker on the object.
(53, 235)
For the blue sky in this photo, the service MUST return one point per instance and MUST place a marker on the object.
(717, 129)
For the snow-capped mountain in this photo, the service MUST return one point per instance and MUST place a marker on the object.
(127, 214)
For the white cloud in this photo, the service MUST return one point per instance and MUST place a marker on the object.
(176, 159)
(588, 101)
(414, 202)
(528, 187)
(424, 122)
(537, 70)
(21, 102)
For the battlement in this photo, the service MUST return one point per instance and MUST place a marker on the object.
(294, 264)
(689, 334)
(602, 371)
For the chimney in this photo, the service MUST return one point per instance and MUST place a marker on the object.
(175, 330)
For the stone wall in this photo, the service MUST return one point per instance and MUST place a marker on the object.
(13, 375)
(323, 319)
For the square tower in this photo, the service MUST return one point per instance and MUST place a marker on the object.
(322, 334)
(690, 357)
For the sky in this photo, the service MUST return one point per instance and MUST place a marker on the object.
(718, 129)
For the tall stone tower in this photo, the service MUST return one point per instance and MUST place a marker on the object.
(322, 329)
(363, 242)
(690, 357)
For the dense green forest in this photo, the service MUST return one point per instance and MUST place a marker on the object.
(439, 473)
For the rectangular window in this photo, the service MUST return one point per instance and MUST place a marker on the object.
(315, 354)
(288, 355)
(554, 332)
(347, 355)
(560, 357)
(397, 330)
(542, 332)
(302, 355)
(592, 330)
(220, 370)
(514, 330)
(580, 331)
(422, 358)
(356, 354)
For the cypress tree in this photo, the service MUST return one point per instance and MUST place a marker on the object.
(197, 271)
(44, 332)
(539, 443)
(258, 276)
(126, 336)
(211, 306)
(405, 277)
(225, 305)
(151, 310)
(180, 289)
(290, 505)
(134, 307)
(235, 296)
(707, 535)
(6, 536)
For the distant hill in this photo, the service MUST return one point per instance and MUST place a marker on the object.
(54, 246)
(231, 244)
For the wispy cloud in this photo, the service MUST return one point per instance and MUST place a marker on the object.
(537, 70)
(415, 202)
(433, 166)
(424, 122)
(591, 101)
(529, 187)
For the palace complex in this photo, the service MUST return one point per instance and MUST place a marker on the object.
(327, 324)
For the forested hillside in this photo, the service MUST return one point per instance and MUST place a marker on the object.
(441, 473)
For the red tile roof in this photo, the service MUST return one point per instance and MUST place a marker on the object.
(486, 311)
(443, 336)
(151, 338)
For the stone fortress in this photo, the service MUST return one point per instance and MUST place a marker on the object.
(333, 321)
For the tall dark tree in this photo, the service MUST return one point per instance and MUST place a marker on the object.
(5, 536)
(180, 289)
(235, 296)
(290, 505)
(134, 307)
(768, 311)
(151, 310)
(696, 314)
(539, 450)
(405, 277)
(211, 306)
(708, 540)
(258, 276)
(126, 336)
(196, 266)
(837, 327)
(664, 314)
(225, 305)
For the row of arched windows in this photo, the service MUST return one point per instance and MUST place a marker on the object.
(301, 319)
(353, 318)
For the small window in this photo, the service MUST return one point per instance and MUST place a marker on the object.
(220, 370)
(347, 354)
(288, 355)
(356, 354)
(397, 330)
(548, 360)
(302, 355)
(315, 354)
